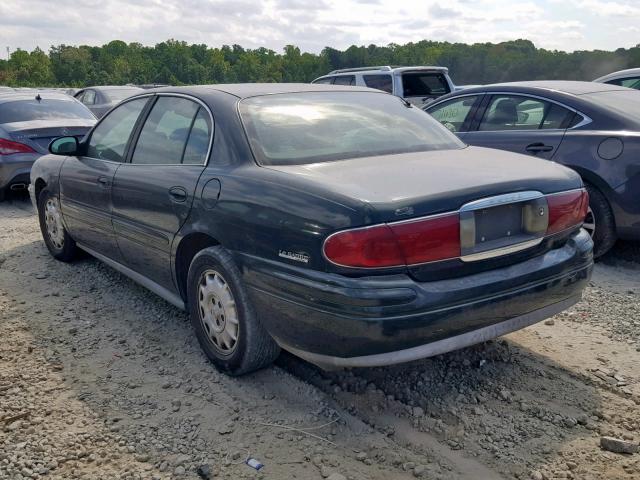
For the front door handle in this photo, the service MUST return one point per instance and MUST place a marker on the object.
(538, 147)
(178, 194)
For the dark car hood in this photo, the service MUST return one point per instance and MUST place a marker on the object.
(436, 181)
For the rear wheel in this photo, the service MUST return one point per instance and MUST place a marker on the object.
(599, 222)
(223, 317)
(56, 238)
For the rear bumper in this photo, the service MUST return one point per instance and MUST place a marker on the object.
(337, 321)
(15, 169)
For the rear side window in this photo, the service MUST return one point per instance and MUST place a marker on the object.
(197, 147)
(109, 139)
(513, 112)
(381, 82)
(424, 84)
(165, 132)
(452, 114)
(89, 97)
(45, 109)
(344, 80)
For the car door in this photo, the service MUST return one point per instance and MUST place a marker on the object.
(521, 124)
(86, 181)
(456, 114)
(154, 190)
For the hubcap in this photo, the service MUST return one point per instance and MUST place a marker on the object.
(590, 222)
(53, 221)
(218, 313)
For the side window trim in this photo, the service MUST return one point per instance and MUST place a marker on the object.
(186, 142)
(143, 112)
(466, 125)
(133, 140)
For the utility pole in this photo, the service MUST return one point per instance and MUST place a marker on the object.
(8, 54)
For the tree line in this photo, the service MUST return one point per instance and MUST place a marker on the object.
(178, 63)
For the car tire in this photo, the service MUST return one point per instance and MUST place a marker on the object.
(604, 227)
(58, 241)
(3, 194)
(223, 317)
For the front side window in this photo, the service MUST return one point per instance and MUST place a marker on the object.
(512, 112)
(381, 82)
(109, 139)
(325, 81)
(344, 80)
(424, 84)
(310, 127)
(165, 132)
(452, 114)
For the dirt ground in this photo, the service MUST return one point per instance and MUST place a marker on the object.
(101, 379)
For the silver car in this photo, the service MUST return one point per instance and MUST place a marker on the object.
(625, 78)
(29, 120)
(101, 99)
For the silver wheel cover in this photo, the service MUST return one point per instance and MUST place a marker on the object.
(590, 222)
(53, 222)
(218, 313)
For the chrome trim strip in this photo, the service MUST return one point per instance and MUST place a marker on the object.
(496, 200)
(473, 257)
(438, 347)
(159, 290)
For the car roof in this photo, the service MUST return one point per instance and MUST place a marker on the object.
(387, 68)
(113, 87)
(561, 86)
(245, 90)
(618, 74)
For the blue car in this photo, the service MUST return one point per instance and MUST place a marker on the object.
(593, 128)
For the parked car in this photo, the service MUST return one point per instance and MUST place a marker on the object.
(625, 78)
(417, 85)
(339, 223)
(28, 122)
(594, 129)
(101, 99)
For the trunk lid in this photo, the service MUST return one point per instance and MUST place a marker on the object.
(404, 186)
(39, 133)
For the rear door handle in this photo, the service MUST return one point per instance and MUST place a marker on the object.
(103, 181)
(538, 147)
(178, 194)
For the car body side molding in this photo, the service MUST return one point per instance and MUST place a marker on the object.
(159, 290)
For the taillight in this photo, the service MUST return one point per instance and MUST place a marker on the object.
(567, 210)
(8, 147)
(396, 244)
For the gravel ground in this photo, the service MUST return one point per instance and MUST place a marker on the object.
(101, 379)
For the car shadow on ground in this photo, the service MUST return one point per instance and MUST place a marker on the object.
(120, 345)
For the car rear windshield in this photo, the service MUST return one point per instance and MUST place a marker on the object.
(311, 127)
(624, 103)
(118, 94)
(424, 84)
(45, 109)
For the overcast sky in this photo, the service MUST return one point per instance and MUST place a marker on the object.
(554, 24)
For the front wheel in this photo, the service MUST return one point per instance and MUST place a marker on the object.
(56, 238)
(599, 222)
(223, 317)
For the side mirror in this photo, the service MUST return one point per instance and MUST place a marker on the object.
(64, 146)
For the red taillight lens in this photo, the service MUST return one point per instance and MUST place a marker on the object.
(429, 239)
(396, 244)
(567, 210)
(8, 147)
